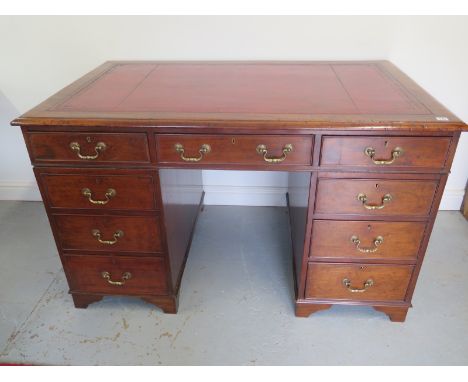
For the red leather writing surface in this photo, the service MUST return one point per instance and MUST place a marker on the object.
(310, 88)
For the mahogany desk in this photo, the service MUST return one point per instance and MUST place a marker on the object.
(118, 156)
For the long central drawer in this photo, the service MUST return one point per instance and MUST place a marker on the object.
(272, 150)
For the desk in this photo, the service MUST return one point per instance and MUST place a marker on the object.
(118, 156)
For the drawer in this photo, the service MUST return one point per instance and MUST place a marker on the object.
(88, 148)
(360, 240)
(358, 281)
(109, 233)
(99, 189)
(112, 275)
(268, 150)
(383, 152)
(375, 197)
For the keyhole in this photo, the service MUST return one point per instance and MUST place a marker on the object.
(362, 268)
(88, 139)
(376, 185)
(233, 140)
(386, 143)
(369, 227)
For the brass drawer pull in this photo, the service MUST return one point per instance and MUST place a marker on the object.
(262, 150)
(377, 241)
(396, 152)
(363, 198)
(125, 276)
(110, 193)
(367, 285)
(100, 146)
(204, 149)
(117, 235)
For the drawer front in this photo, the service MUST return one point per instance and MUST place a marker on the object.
(358, 281)
(375, 197)
(366, 240)
(106, 191)
(111, 275)
(109, 233)
(248, 150)
(88, 148)
(383, 152)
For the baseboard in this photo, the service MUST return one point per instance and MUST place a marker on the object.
(219, 195)
(245, 196)
(19, 191)
(452, 199)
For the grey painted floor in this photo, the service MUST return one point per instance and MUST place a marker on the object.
(235, 307)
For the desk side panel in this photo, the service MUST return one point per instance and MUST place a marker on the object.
(298, 200)
(182, 193)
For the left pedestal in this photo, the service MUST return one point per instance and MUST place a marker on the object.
(122, 226)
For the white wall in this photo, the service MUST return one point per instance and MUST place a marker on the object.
(434, 52)
(40, 55)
